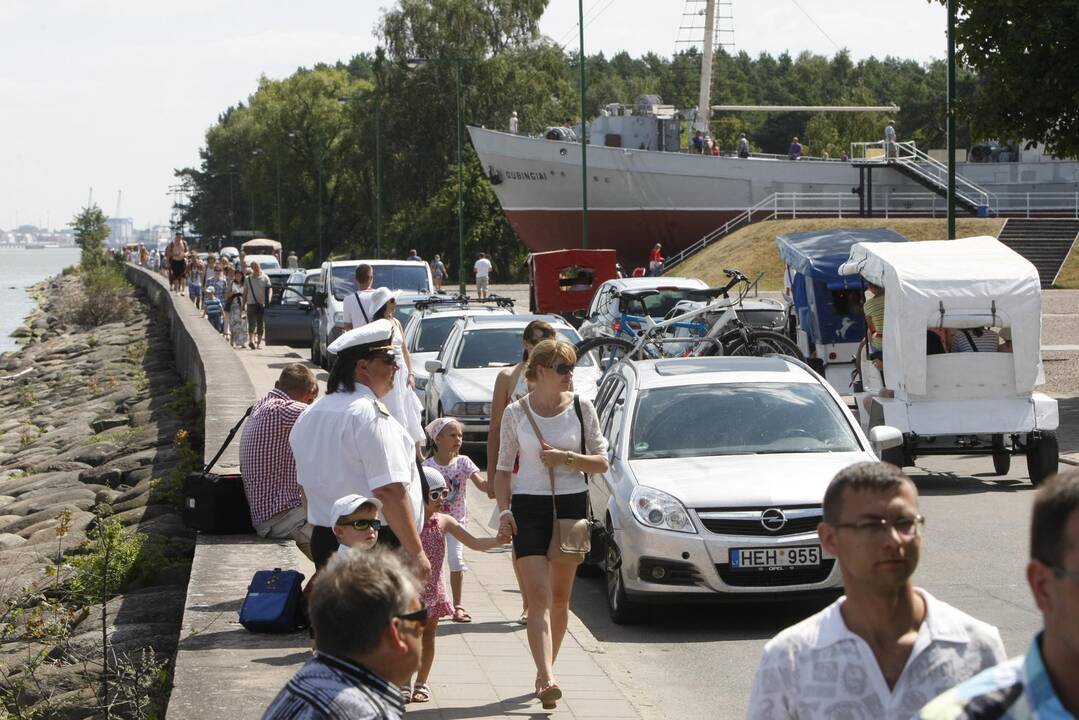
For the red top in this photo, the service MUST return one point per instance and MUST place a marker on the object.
(267, 465)
(655, 256)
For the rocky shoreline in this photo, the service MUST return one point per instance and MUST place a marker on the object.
(97, 431)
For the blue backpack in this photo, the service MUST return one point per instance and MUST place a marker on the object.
(274, 602)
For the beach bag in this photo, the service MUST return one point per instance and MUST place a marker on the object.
(571, 539)
(274, 602)
(217, 503)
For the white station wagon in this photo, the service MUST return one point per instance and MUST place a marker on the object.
(718, 471)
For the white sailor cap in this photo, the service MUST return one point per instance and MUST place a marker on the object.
(375, 299)
(372, 337)
(351, 503)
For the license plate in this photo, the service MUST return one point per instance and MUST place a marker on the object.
(778, 557)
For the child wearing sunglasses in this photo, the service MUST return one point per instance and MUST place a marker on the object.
(433, 537)
(356, 525)
(446, 438)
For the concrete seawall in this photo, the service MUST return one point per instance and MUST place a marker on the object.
(222, 384)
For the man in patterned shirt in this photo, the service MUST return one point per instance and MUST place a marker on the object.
(886, 647)
(1044, 683)
(267, 465)
(368, 623)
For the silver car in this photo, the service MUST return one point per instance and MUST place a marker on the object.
(718, 470)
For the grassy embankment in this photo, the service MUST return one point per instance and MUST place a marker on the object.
(753, 249)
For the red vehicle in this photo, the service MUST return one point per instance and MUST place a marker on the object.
(562, 281)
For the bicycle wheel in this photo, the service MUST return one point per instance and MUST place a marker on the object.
(764, 342)
(605, 351)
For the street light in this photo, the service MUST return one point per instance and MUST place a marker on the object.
(378, 166)
(414, 63)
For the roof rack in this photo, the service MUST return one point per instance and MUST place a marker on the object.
(460, 300)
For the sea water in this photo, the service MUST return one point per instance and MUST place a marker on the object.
(19, 270)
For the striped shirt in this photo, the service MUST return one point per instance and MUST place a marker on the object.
(1017, 689)
(333, 689)
(986, 341)
(267, 465)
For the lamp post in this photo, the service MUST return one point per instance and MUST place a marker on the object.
(584, 137)
(378, 166)
(414, 63)
(951, 119)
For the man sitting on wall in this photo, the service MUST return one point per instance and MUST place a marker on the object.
(267, 465)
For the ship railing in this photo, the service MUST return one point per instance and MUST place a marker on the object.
(764, 210)
(908, 155)
(763, 156)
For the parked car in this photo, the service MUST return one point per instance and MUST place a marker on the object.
(430, 325)
(718, 467)
(288, 318)
(462, 377)
(266, 262)
(337, 280)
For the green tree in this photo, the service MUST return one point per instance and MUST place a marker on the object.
(91, 230)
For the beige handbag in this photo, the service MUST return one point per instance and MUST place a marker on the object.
(571, 539)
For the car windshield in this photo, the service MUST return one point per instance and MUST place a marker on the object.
(657, 304)
(501, 347)
(739, 419)
(433, 333)
(411, 278)
(403, 313)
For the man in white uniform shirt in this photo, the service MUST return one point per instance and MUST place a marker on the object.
(483, 275)
(349, 443)
(885, 648)
(355, 313)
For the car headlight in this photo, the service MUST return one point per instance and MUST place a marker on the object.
(656, 509)
(338, 318)
(471, 408)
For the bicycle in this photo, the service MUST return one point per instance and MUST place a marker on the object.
(726, 335)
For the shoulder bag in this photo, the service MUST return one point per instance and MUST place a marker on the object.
(571, 539)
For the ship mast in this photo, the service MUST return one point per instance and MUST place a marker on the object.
(704, 105)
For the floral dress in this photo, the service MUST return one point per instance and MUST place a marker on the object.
(434, 596)
(457, 473)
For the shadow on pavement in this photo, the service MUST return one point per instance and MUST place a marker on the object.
(1068, 432)
(936, 482)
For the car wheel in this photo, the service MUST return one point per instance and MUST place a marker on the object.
(622, 610)
(1002, 459)
(1042, 456)
(592, 566)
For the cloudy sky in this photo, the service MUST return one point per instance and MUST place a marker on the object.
(114, 94)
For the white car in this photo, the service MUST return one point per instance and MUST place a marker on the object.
(430, 325)
(266, 262)
(656, 297)
(462, 378)
(718, 467)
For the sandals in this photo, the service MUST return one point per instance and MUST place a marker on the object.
(460, 615)
(421, 693)
(523, 620)
(548, 695)
(406, 694)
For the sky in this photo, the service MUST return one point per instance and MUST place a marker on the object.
(115, 94)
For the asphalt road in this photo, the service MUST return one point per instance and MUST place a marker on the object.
(699, 661)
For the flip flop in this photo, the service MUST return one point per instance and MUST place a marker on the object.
(549, 696)
(461, 615)
(421, 693)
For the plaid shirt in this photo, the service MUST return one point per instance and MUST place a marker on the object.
(328, 688)
(266, 461)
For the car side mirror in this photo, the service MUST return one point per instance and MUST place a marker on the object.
(581, 315)
(883, 437)
(433, 366)
(305, 305)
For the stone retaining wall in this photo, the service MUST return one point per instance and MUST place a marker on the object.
(222, 383)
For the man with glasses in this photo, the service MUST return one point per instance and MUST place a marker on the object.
(885, 647)
(358, 666)
(348, 442)
(1044, 683)
(267, 465)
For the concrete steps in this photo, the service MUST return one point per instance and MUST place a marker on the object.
(1045, 242)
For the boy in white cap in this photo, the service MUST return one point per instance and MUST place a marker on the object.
(357, 523)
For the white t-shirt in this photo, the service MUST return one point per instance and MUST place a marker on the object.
(483, 268)
(820, 669)
(563, 431)
(354, 311)
(343, 444)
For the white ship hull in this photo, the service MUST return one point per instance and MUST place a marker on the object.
(637, 198)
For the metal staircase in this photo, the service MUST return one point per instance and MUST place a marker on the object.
(925, 170)
(1044, 242)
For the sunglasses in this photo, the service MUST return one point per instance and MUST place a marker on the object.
(438, 494)
(362, 525)
(416, 616)
(563, 368)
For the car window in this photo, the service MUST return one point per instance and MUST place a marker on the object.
(657, 304)
(432, 333)
(412, 278)
(501, 347)
(737, 419)
(403, 313)
(291, 294)
(612, 408)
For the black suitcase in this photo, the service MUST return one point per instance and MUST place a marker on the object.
(216, 503)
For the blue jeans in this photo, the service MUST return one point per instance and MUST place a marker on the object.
(217, 322)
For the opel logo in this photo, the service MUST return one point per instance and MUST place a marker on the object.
(773, 519)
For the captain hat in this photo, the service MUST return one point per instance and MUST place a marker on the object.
(369, 339)
(351, 503)
(374, 300)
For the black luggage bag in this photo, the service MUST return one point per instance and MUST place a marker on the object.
(216, 503)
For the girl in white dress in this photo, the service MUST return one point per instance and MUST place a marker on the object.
(401, 400)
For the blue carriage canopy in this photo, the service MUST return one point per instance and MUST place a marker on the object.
(827, 304)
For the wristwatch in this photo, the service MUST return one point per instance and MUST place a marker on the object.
(570, 458)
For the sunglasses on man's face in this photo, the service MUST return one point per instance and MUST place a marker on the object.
(419, 616)
(440, 494)
(362, 525)
(563, 368)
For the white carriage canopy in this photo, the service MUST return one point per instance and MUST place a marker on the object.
(963, 283)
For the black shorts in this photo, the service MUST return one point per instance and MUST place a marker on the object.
(532, 514)
(179, 269)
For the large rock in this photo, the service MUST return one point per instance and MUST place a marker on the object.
(71, 541)
(92, 455)
(8, 541)
(58, 466)
(109, 422)
(38, 500)
(29, 483)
